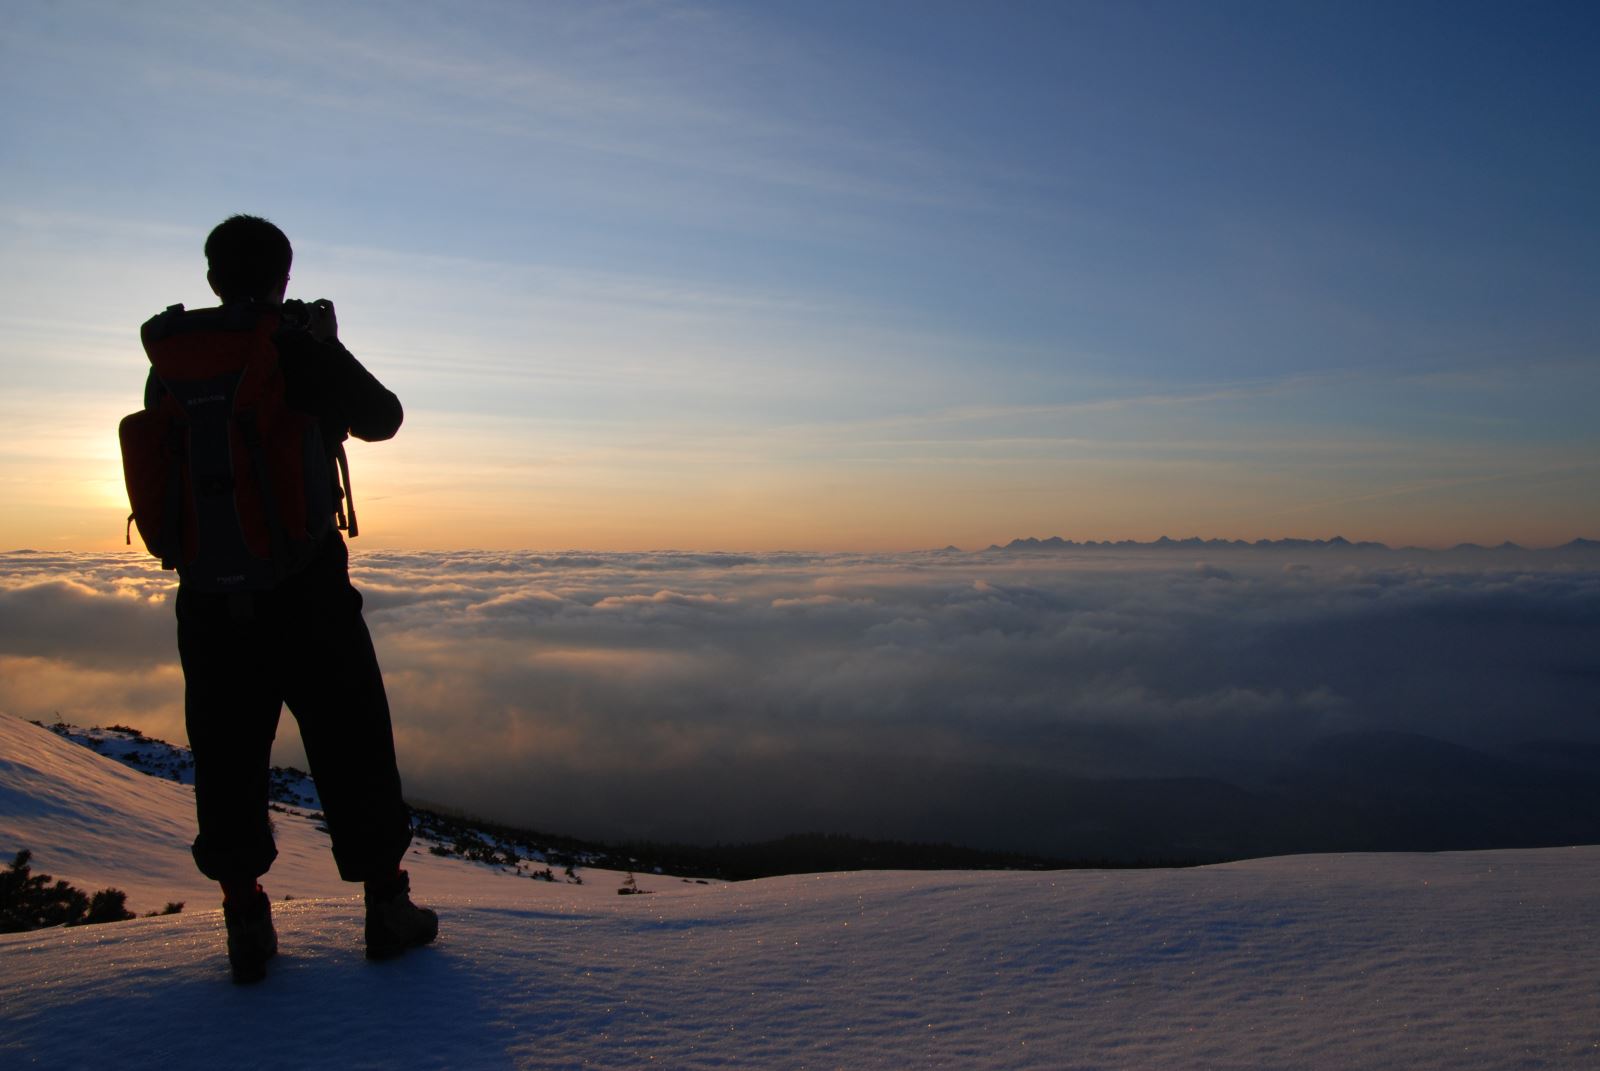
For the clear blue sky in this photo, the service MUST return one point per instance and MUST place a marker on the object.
(844, 275)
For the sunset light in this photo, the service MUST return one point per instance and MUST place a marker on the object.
(1132, 465)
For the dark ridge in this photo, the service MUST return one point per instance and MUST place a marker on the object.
(1191, 542)
(820, 853)
(1369, 791)
(447, 831)
(1563, 754)
(1391, 791)
(1031, 543)
(497, 844)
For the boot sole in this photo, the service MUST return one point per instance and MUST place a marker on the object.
(251, 973)
(249, 977)
(390, 951)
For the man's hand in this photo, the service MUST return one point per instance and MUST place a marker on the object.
(323, 324)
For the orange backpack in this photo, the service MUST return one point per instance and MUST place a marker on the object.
(228, 484)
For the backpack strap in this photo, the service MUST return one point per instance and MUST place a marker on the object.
(345, 502)
(172, 501)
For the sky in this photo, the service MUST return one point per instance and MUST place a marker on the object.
(840, 277)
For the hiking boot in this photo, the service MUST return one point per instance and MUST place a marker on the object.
(251, 939)
(394, 923)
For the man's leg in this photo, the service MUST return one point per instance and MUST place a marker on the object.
(336, 694)
(335, 691)
(231, 708)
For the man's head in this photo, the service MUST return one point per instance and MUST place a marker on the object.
(248, 258)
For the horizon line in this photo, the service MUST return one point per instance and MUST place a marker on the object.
(1161, 542)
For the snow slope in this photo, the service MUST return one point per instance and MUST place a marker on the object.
(1460, 960)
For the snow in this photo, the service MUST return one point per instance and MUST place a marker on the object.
(1467, 960)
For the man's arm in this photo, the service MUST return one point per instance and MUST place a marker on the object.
(374, 412)
(325, 378)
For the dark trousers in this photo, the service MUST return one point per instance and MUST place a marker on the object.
(303, 643)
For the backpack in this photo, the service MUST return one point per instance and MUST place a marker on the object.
(228, 484)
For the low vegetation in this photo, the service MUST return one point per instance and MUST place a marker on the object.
(30, 901)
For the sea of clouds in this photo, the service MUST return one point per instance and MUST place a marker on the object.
(725, 697)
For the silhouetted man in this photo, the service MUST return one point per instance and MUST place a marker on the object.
(297, 638)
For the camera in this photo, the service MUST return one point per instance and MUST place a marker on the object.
(316, 318)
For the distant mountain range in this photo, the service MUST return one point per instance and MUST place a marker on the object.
(1336, 543)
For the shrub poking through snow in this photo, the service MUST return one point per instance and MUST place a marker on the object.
(31, 901)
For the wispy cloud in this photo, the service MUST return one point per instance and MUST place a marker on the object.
(611, 81)
(1402, 490)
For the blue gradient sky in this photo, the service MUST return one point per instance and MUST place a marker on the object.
(827, 275)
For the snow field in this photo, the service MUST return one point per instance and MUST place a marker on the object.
(1471, 960)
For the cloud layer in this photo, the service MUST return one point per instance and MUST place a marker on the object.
(722, 697)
